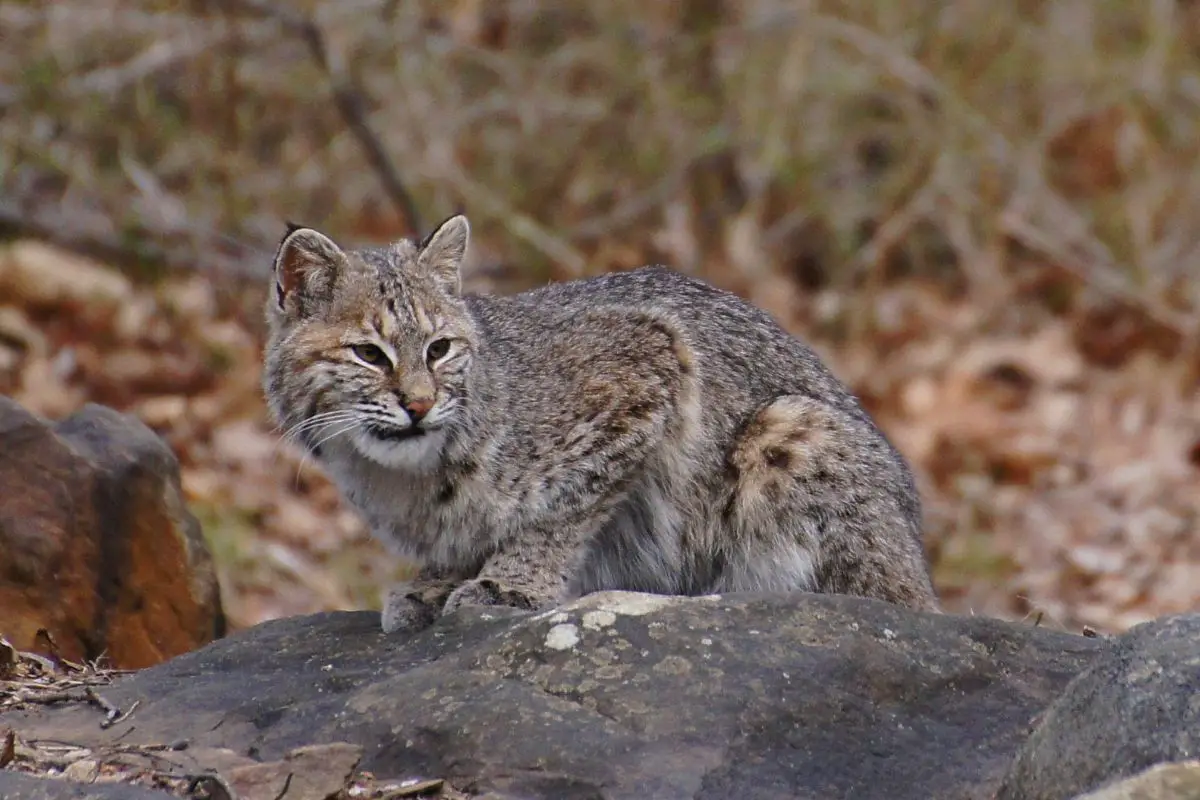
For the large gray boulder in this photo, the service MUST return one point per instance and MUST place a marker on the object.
(1136, 706)
(616, 696)
(15, 786)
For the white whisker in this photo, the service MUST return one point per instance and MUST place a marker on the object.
(317, 421)
(337, 415)
(349, 427)
(327, 437)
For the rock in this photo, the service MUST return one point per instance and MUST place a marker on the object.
(318, 772)
(1165, 782)
(96, 546)
(1138, 705)
(40, 275)
(617, 695)
(15, 786)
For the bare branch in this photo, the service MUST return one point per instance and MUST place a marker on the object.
(59, 224)
(348, 96)
(520, 225)
(156, 57)
(1103, 280)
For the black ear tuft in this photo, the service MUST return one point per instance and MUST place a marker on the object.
(305, 265)
(292, 227)
(429, 236)
(440, 254)
(425, 240)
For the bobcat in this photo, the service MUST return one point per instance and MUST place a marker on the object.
(640, 430)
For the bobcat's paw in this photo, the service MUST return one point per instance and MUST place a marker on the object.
(404, 611)
(486, 592)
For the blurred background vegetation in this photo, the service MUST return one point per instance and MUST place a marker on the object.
(986, 217)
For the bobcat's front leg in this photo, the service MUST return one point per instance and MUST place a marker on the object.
(415, 604)
(532, 573)
(602, 445)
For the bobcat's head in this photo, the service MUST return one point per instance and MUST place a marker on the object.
(371, 348)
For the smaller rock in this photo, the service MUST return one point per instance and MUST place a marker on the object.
(85, 770)
(41, 275)
(1179, 781)
(1137, 706)
(96, 545)
(317, 772)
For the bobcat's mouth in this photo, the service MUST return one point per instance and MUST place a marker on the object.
(388, 433)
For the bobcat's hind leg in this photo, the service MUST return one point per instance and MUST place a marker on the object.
(821, 502)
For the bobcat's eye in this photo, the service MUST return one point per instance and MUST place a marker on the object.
(437, 349)
(371, 354)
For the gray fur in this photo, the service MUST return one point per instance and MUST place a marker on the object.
(640, 430)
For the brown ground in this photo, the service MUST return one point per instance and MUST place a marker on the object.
(984, 217)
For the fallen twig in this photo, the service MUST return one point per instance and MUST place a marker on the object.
(415, 789)
(112, 714)
(287, 784)
(175, 747)
(47, 698)
(213, 785)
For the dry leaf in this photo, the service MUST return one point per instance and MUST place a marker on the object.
(8, 748)
(8, 658)
(317, 772)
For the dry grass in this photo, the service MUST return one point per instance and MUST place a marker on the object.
(984, 215)
(718, 135)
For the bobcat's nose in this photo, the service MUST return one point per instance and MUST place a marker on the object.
(418, 407)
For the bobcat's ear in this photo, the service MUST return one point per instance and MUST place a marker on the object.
(305, 265)
(441, 253)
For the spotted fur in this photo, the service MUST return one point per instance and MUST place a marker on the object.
(640, 430)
